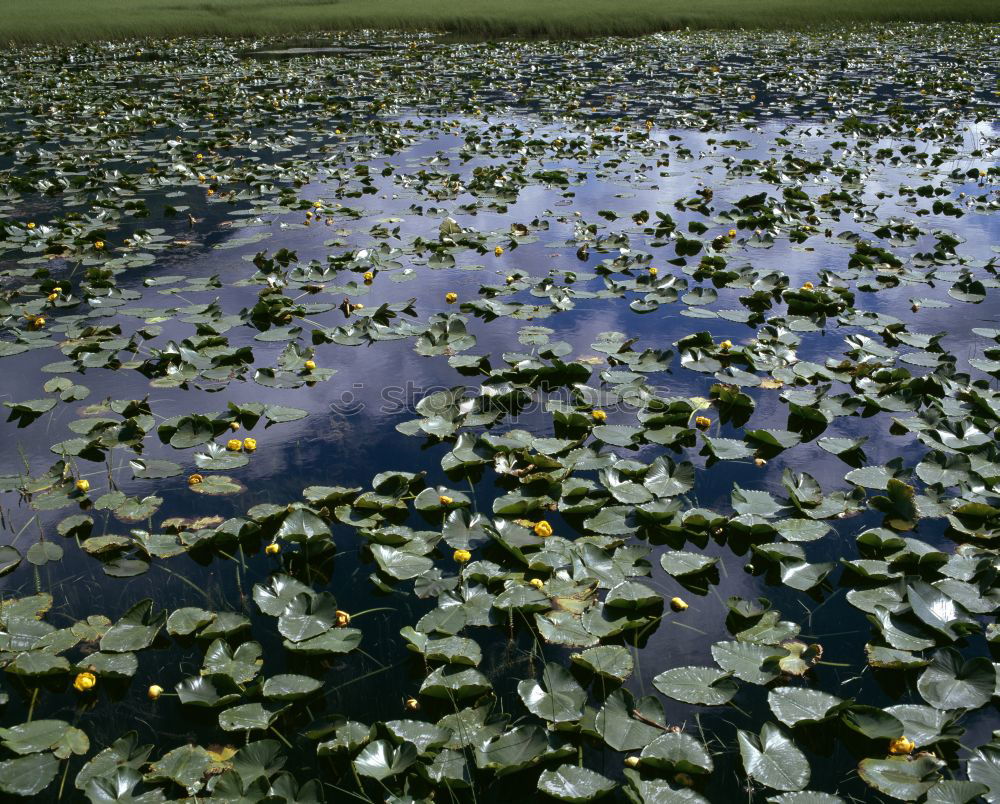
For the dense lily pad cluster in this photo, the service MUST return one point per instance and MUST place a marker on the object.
(704, 355)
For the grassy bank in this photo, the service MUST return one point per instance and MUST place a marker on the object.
(76, 20)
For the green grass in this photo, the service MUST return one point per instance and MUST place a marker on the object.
(81, 20)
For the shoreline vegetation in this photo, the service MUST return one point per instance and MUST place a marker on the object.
(67, 21)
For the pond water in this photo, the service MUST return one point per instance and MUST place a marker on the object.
(724, 317)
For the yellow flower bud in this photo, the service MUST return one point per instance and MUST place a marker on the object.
(52, 297)
(725, 346)
(632, 762)
(461, 556)
(84, 682)
(249, 444)
(38, 323)
(273, 549)
(598, 415)
(444, 499)
(154, 691)
(98, 244)
(368, 277)
(31, 225)
(451, 298)
(195, 479)
(343, 619)
(703, 422)
(83, 485)
(234, 426)
(310, 365)
(759, 462)
(677, 604)
(543, 529)
(808, 286)
(538, 583)
(412, 704)
(901, 745)
(498, 251)
(653, 271)
(732, 234)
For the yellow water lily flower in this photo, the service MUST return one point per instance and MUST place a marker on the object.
(498, 251)
(538, 583)
(725, 346)
(653, 271)
(98, 244)
(759, 462)
(37, 323)
(808, 286)
(368, 277)
(273, 549)
(703, 422)
(84, 682)
(31, 225)
(451, 298)
(511, 279)
(83, 485)
(677, 604)
(732, 234)
(412, 704)
(461, 556)
(195, 479)
(199, 157)
(901, 745)
(234, 445)
(57, 290)
(234, 426)
(598, 415)
(52, 297)
(342, 618)
(444, 499)
(632, 762)
(249, 444)
(310, 365)
(543, 529)
(154, 691)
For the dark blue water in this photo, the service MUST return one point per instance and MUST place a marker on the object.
(349, 435)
